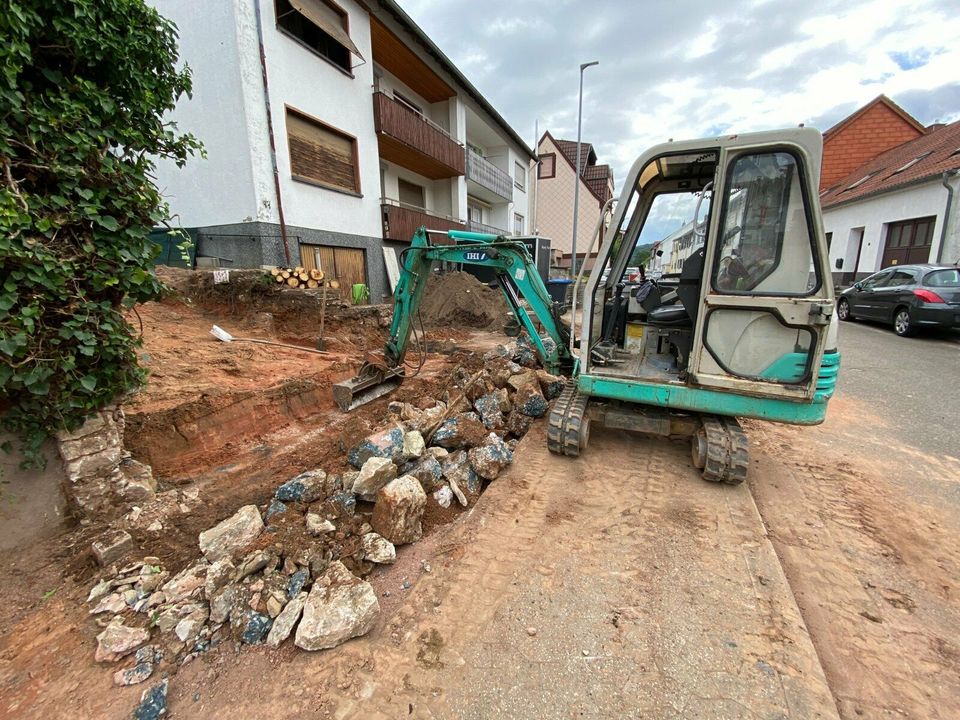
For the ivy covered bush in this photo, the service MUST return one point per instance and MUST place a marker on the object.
(84, 85)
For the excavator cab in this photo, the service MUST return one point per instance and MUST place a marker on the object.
(739, 324)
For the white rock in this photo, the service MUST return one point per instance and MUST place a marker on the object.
(399, 509)
(340, 606)
(316, 525)
(232, 534)
(413, 445)
(188, 628)
(444, 496)
(186, 582)
(375, 473)
(378, 549)
(118, 640)
(288, 617)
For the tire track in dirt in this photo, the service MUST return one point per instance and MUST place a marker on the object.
(874, 572)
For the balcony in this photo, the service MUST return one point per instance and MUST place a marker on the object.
(479, 227)
(401, 221)
(489, 177)
(407, 138)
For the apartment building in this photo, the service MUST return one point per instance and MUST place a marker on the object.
(556, 180)
(333, 130)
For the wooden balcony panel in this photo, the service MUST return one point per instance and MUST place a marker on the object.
(487, 175)
(411, 141)
(401, 222)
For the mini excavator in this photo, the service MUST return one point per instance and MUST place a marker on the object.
(745, 329)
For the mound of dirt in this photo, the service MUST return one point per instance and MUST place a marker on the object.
(459, 299)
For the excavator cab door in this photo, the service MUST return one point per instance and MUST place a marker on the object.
(766, 296)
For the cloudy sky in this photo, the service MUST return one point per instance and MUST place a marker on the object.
(687, 68)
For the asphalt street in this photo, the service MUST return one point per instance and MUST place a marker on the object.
(913, 383)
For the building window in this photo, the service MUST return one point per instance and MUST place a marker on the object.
(517, 224)
(548, 166)
(519, 176)
(474, 213)
(410, 194)
(829, 237)
(320, 154)
(319, 25)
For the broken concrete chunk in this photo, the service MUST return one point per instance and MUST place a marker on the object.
(218, 574)
(153, 702)
(221, 604)
(134, 675)
(464, 430)
(523, 378)
(489, 460)
(255, 562)
(118, 640)
(317, 525)
(111, 546)
(488, 406)
(284, 623)
(378, 549)
(232, 534)
(518, 424)
(413, 445)
(183, 584)
(550, 385)
(375, 473)
(385, 444)
(189, 627)
(296, 583)
(428, 472)
(457, 469)
(530, 401)
(399, 509)
(307, 487)
(444, 496)
(340, 606)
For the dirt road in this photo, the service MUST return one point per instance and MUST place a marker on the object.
(567, 592)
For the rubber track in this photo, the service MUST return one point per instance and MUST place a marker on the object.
(727, 451)
(565, 422)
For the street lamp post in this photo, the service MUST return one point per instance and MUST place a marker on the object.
(576, 188)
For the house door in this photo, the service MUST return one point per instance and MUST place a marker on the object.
(908, 242)
(346, 265)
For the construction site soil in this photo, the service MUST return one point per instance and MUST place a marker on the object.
(615, 585)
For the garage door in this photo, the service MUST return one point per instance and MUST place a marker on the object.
(908, 242)
(347, 265)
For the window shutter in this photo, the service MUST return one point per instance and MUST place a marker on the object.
(320, 154)
(327, 19)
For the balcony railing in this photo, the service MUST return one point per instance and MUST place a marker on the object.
(401, 221)
(486, 174)
(479, 227)
(412, 141)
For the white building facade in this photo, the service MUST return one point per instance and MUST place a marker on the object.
(351, 130)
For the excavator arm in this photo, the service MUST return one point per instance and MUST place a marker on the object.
(517, 277)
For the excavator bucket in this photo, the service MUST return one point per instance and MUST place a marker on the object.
(371, 382)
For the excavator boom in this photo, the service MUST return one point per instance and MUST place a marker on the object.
(517, 277)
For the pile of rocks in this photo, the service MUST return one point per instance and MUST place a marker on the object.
(297, 565)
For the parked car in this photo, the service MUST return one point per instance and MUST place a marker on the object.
(910, 297)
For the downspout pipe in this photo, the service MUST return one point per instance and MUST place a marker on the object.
(273, 144)
(945, 181)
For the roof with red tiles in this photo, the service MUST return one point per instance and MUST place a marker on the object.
(597, 178)
(924, 158)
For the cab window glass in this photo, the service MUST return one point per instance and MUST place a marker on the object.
(765, 245)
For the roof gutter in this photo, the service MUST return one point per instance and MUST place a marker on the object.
(945, 181)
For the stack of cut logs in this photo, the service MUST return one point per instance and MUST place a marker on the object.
(301, 277)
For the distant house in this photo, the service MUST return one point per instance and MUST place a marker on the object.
(556, 180)
(898, 207)
(878, 126)
(333, 130)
